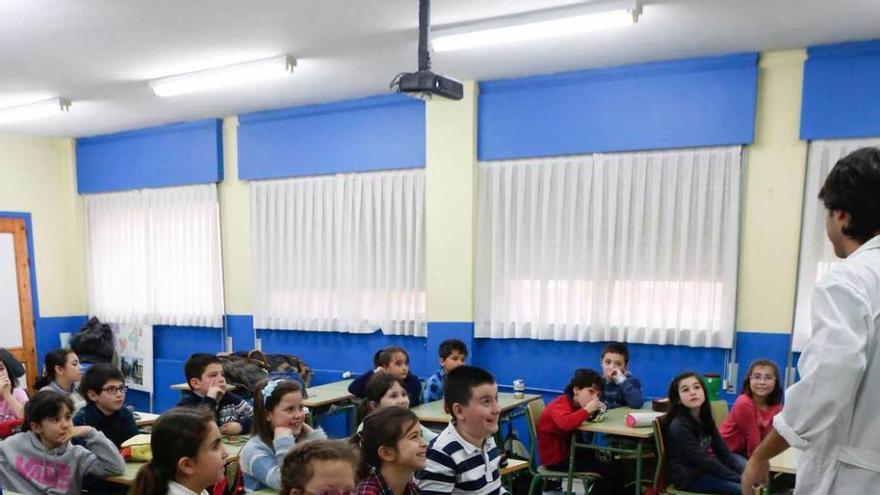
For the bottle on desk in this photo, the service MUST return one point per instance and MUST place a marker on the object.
(519, 388)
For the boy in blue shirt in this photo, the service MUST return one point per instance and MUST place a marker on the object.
(621, 388)
(453, 353)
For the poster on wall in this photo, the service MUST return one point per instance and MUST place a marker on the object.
(134, 343)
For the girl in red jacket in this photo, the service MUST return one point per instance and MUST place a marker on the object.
(561, 419)
(751, 418)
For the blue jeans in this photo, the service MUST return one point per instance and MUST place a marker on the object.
(705, 483)
(740, 461)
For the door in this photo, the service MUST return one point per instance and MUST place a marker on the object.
(16, 309)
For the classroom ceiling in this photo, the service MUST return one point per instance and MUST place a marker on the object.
(99, 53)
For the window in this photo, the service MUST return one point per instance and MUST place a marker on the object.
(817, 254)
(154, 256)
(637, 247)
(340, 253)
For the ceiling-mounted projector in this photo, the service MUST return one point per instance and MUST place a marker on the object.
(424, 82)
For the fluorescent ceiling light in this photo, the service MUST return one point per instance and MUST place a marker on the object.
(540, 24)
(223, 77)
(45, 108)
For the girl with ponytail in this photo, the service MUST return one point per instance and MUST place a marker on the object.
(279, 425)
(61, 373)
(188, 454)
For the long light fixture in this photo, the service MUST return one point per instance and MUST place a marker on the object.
(223, 77)
(538, 24)
(30, 111)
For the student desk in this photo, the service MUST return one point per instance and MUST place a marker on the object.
(142, 419)
(329, 393)
(432, 412)
(614, 424)
(786, 462)
(233, 446)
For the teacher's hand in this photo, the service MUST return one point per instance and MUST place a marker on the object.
(757, 472)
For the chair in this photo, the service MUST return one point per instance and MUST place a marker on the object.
(660, 485)
(719, 411)
(540, 473)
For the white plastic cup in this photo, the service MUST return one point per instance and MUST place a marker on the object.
(519, 388)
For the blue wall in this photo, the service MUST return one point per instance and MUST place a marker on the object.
(377, 133)
(687, 103)
(172, 155)
(335, 352)
(841, 95)
(546, 366)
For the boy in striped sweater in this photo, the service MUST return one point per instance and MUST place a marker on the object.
(464, 459)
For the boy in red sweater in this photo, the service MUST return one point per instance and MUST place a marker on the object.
(561, 419)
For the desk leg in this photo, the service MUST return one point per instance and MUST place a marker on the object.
(639, 468)
(570, 481)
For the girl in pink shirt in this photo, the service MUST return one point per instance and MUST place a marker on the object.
(752, 415)
(12, 398)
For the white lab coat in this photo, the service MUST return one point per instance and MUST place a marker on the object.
(832, 412)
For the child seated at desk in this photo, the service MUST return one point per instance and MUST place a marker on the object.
(622, 389)
(12, 398)
(394, 361)
(320, 467)
(204, 375)
(42, 459)
(464, 458)
(62, 373)
(453, 353)
(188, 454)
(103, 388)
(697, 459)
(384, 390)
(751, 418)
(392, 450)
(560, 421)
(279, 425)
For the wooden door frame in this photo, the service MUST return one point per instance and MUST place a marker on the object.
(17, 225)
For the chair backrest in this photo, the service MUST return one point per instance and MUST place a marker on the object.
(719, 411)
(660, 447)
(534, 409)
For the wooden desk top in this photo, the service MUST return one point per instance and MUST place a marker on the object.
(329, 393)
(615, 424)
(233, 446)
(145, 419)
(514, 465)
(786, 462)
(433, 412)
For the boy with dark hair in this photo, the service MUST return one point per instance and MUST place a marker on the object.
(393, 360)
(464, 457)
(621, 388)
(204, 375)
(103, 388)
(453, 353)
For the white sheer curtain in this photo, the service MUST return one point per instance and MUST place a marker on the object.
(154, 256)
(340, 253)
(817, 254)
(636, 247)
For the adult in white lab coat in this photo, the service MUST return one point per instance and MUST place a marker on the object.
(831, 413)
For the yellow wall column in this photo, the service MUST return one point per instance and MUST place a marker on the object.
(450, 200)
(774, 183)
(38, 176)
(235, 226)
